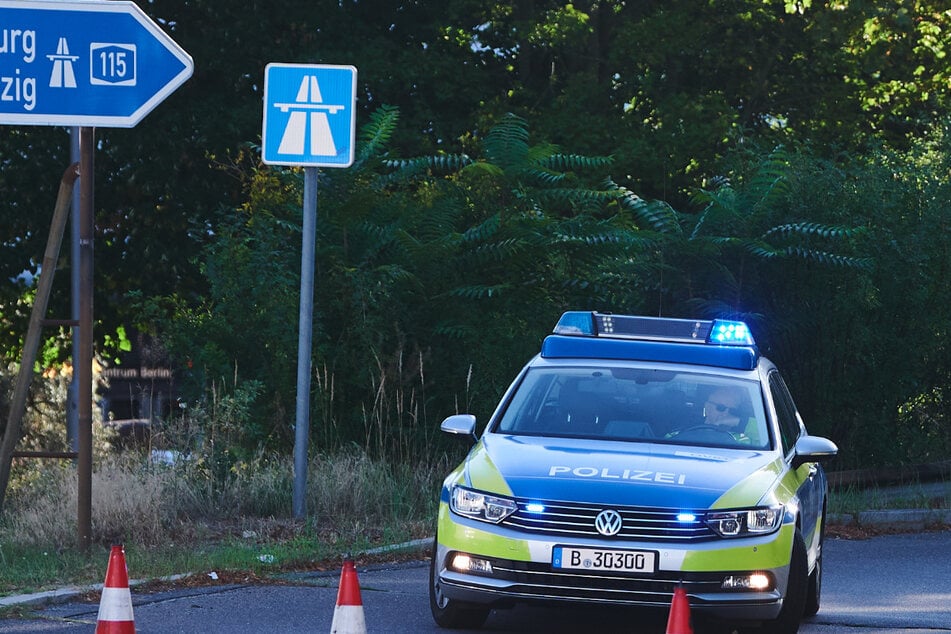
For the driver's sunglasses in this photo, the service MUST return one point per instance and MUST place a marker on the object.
(720, 407)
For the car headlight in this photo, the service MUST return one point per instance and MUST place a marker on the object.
(480, 506)
(745, 522)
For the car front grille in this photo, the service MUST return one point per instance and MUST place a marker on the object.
(638, 523)
(539, 579)
(527, 580)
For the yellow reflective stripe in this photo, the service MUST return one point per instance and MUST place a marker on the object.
(473, 540)
(751, 431)
(748, 491)
(484, 475)
(775, 554)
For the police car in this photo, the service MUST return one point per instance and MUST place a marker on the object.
(631, 456)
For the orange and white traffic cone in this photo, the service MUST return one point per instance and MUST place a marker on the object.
(115, 606)
(348, 615)
(679, 620)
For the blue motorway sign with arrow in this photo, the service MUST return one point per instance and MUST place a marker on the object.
(95, 64)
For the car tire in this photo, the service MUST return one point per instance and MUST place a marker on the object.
(794, 603)
(814, 591)
(814, 587)
(448, 613)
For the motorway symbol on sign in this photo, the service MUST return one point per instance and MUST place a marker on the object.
(309, 115)
(95, 64)
(63, 74)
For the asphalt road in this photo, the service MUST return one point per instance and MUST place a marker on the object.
(887, 584)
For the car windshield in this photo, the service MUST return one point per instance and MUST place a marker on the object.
(638, 404)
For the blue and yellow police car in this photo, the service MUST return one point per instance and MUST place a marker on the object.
(631, 456)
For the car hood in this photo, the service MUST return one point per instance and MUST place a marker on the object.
(618, 472)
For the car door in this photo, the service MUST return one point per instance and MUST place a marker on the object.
(809, 482)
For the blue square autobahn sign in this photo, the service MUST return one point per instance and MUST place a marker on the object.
(309, 115)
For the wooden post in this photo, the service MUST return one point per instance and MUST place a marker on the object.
(33, 336)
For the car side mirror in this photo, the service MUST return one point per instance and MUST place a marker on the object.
(813, 449)
(460, 425)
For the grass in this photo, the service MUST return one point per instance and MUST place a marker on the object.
(215, 509)
(199, 518)
(915, 495)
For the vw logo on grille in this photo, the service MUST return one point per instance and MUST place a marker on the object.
(608, 523)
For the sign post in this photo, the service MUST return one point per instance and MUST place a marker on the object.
(84, 64)
(309, 121)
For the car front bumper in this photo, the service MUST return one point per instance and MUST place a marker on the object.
(521, 570)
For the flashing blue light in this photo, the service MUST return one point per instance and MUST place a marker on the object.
(575, 323)
(686, 517)
(534, 507)
(730, 333)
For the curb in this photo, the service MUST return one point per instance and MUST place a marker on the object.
(63, 595)
(416, 543)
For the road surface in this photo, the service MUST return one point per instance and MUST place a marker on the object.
(888, 584)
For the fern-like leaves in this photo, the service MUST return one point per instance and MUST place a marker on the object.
(506, 144)
(376, 134)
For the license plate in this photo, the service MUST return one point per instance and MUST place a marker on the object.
(570, 558)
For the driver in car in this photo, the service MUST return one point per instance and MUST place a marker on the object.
(723, 411)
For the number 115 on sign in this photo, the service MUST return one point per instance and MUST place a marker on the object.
(112, 64)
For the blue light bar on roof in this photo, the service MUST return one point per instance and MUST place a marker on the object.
(594, 324)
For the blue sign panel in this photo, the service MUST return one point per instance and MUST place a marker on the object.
(309, 115)
(96, 64)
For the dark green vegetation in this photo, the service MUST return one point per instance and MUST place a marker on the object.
(786, 162)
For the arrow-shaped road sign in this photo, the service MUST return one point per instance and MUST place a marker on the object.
(87, 64)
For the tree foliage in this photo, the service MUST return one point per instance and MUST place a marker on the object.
(661, 202)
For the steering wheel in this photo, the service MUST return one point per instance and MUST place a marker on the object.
(707, 430)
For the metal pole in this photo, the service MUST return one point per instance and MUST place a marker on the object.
(83, 368)
(72, 412)
(305, 333)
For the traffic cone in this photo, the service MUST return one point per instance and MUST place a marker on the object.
(115, 606)
(679, 620)
(348, 615)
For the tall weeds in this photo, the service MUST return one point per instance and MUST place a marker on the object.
(138, 502)
(197, 478)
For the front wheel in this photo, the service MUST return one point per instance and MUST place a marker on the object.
(447, 612)
(794, 603)
(814, 591)
(814, 595)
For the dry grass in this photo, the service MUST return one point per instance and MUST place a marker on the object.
(127, 502)
(135, 502)
(217, 506)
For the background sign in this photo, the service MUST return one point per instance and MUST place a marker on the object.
(87, 64)
(309, 115)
